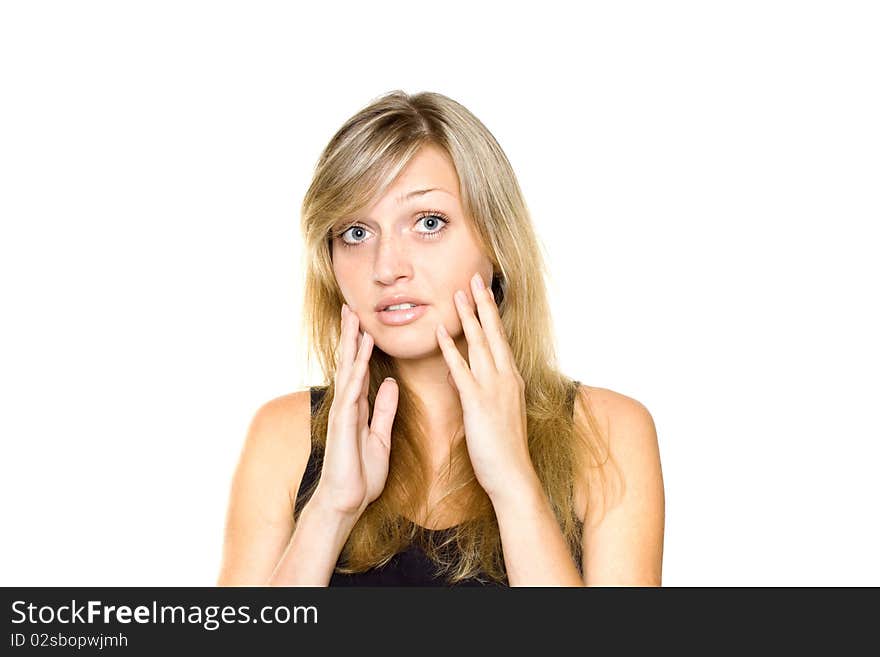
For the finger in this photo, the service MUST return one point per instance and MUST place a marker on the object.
(347, 349)
(451, 381)
(359, 370)
(458, 367)
(365, 386)
(340, 352)
(479, 357)
(490, 321)
(363, 399)
(384, 410)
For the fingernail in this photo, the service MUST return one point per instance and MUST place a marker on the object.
(460, 296)
(344, 309)
(442, 330)
(478, 281)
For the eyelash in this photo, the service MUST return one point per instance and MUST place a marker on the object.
(422, 215)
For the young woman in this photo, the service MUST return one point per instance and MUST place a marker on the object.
(445, 447)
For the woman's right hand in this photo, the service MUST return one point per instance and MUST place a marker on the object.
(356, 455)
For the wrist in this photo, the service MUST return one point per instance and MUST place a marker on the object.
(324, 507)
(314, 547)
(525, 489)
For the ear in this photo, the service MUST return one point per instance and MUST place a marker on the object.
(497, 288)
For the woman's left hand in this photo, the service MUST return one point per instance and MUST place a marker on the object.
(492, 394)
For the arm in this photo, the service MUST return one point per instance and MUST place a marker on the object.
(625, 546)
(314, 548)
(535, 552)
(262, 542)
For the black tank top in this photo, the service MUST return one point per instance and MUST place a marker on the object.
(411, 567)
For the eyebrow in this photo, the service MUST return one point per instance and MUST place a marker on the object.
(400, 200)
(419, 192)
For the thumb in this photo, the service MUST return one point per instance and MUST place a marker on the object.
(384, 410)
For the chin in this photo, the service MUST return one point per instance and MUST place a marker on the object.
(406, 345)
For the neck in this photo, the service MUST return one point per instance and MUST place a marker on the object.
(429, 380)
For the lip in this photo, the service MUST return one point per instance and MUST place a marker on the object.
(401, 317)
(395, 299)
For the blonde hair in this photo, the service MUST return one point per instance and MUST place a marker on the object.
(360, 162)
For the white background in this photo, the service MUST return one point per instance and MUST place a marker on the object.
(703, 177)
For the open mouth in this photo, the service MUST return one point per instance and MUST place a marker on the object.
(401, 313)
(400, 306)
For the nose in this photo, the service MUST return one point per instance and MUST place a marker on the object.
(392, 261)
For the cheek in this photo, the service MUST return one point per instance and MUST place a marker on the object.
(346, 281)
(458, 261)
(464, 273)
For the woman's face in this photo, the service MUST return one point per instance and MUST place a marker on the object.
(403, 245)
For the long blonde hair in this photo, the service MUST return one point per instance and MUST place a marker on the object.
(358, 164)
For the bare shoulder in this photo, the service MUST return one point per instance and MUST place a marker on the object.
(623, 539)
(259, 519)
(627, 424)
(286, 415)
(280, 430)
(610, 407)
(277, 447)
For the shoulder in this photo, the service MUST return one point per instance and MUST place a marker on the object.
(617, 413)
(279, 435)
(631, 435)
(281, 420)
(623, 537)
(259, 518)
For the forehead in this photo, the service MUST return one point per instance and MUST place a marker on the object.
(429, 168)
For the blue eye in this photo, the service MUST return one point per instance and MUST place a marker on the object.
(432, 219)
(354, 229)
(436, 220)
